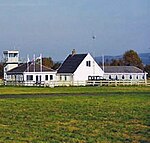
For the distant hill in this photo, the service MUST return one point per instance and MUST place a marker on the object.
(145, 57)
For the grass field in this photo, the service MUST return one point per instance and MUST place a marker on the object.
(107, 114)
(5, 90)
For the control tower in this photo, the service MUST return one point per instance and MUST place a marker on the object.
(11, 60)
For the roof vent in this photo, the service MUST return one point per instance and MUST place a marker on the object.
(73, 52)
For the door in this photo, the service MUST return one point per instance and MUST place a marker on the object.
(38, 79)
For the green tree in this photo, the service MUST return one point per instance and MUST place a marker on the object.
(1, 70)
(131, 58)
(48, 62)
(116, 62)
(56, 65)
(147, 69)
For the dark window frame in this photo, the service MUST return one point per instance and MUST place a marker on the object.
(143, 76)
(65, 78)
(88, 63)
(46, 77)
(131, 77)
(51, 77)
(116, 77)
(29, 77)
(109, 76)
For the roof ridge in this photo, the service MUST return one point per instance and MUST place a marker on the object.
(123, 69)
(32, 63)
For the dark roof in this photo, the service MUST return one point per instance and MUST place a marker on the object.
(71, 63)
(18, 70)
(122, 69)
(23, 68)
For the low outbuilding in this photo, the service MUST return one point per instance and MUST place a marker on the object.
(124, 73)
(31, 74)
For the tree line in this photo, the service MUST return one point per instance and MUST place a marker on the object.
(130, 58)
(48, 62)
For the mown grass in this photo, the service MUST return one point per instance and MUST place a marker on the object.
(5, 90)
(113, 118)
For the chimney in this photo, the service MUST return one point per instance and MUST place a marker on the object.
(73, 52)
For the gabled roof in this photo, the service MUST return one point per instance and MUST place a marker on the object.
(122, 69)
(23, 68)
(71, 63)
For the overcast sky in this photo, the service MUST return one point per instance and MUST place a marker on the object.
(55, 27)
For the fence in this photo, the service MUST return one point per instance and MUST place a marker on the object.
(116, 83)
(77, 83)
(1, 82)
(44, 83)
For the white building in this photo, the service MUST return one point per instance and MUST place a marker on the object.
(78, 68)
(11, 60)
(31, 74)
(124, 73)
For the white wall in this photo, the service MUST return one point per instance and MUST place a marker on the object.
(7, 68)
(11, 59)
(42, 74)
(83, 71)
(64, 77)
(126, 76)
(17, 77)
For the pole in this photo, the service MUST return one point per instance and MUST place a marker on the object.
(34, 61)
(93, 38)
(103, 62)
(28, 63)
(41, 62)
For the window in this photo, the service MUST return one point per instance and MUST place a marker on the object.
(137, 77)
(29, 77)
(94, 78)
(12, 54)
(109, 76)
(5, 69)
(122, 76)
(89, 78)
(116, 77)
(143, 77)
(36, 77)
(60, 78)
(46, 77)
(88, 63)
(130, 76)
(97, 77)
(51, 77)
(65, 77)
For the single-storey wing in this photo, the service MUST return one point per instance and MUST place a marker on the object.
(124, 73)
(31, 73)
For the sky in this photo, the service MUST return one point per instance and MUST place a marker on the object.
(55, 27)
